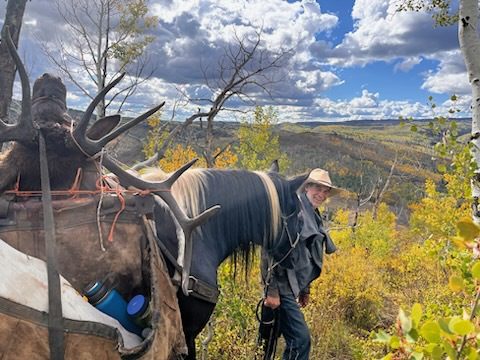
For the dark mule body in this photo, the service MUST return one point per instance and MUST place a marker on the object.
(253, 207)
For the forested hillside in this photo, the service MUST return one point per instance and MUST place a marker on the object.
(359, 155)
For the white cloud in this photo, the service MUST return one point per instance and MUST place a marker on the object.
(450, 77)
(192, 36)
(407, 64)
(367, 100)
(382, 33)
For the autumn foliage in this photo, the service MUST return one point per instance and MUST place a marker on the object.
(393, 290)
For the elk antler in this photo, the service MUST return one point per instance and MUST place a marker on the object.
(23, 130)
(160, 188)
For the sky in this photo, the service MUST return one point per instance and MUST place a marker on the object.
(349, 60)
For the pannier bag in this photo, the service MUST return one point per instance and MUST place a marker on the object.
(130, 258)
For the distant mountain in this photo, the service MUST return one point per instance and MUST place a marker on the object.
(383, 122)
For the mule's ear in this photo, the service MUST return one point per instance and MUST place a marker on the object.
(296, 182)
(103, 126)
(275, 168)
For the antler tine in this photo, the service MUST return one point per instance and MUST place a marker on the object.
(162, 189)
(159, 187)
(24, 129)
(79, 133)
(112, 135)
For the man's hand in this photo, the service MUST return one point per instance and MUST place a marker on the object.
(272, 302)
(303, 299)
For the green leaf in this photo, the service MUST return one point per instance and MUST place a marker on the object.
(476, 270)
(442, 168)
(444, 325)
(412, 336)
(413, 128)
(437, 352)
(405, 321)
(382, 337)
(468, 229)
(455, 283)
(389, 356)
(417, 355)
(430, 331)
(472, 354)
(416, 314)
(461, 327)
(394, 342)
(452, 354)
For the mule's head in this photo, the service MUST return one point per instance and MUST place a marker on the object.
(289, 207)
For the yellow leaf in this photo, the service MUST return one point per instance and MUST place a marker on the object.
(467, 229)
(455, 283)
(459, 242)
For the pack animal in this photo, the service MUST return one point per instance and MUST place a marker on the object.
(257, 208)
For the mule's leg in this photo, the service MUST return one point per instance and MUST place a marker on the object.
(195, 315)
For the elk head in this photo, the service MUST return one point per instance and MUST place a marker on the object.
(45, 111)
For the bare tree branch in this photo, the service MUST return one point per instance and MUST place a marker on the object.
(97, 42)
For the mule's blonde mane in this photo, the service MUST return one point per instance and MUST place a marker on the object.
(188, 190)
(274, 203)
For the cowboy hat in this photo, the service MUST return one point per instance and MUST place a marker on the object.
(320, 176)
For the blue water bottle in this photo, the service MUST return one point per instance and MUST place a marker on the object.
(139, 310)
(110, 302)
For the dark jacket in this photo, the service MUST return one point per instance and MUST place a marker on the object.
(306, 257)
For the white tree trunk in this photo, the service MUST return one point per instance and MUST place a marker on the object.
(470, 47)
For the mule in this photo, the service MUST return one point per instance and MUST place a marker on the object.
(256, 208)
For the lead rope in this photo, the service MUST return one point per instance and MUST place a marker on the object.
(55, 316)
(271, 349)
(293, 244)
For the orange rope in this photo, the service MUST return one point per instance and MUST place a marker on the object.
(76, 183)
(74, 191)
(117, 215)
(33, 193)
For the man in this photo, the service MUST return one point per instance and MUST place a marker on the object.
(288, 289)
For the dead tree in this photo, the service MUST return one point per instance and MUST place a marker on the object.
(13, 20)
(381, 192)
(245, 69)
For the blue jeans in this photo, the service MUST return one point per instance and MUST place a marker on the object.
(294, 329)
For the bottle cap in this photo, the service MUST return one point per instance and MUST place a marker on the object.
(92, 288)
(137, 305)
(95, 292)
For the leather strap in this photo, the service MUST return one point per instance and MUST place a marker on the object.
(4, 205)
(201, 290)
(55, 317)
(196, 287)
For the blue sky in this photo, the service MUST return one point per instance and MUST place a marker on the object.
(352, 59)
